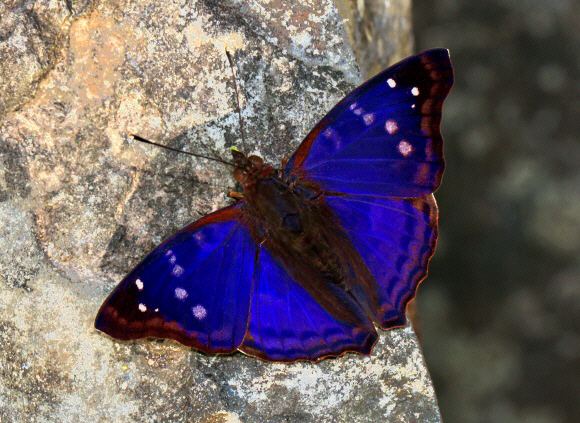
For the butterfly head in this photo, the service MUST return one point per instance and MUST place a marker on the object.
(249, 168)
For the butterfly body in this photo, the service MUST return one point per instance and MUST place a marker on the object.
(292, 221)
(312, 257)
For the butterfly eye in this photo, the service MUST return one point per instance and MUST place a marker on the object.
(256, 161)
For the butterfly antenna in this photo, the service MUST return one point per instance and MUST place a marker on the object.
(201, 156)
(239, 109)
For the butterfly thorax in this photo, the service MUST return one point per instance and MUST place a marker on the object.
(250, 169)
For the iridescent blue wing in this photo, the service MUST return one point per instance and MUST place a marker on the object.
(287, 324)
(378, 155)
(194, 288)
(382, 139)
(396, 238)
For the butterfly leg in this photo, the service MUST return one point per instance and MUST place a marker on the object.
(236, 195)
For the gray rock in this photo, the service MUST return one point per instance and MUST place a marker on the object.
(379, 31)
(81, 205)
(32, 34)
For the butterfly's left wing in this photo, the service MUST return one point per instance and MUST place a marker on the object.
(195, 287)
(287, 324)
(383, 138)
(210, 286)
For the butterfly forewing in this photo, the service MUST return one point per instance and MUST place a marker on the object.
(383, 139)
(194, 288)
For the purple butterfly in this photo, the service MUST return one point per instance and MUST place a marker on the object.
(314, 256)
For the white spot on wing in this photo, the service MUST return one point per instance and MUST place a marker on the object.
(139, 284)
(353, 106)
(328, 132)
(358, 111)
(177, 270)
(391, 126)
(199, 312)
(412, 106)
(369, 118)
(405, 148)
(391, 83)
(142, 308)
(333, 137)
(156, 310)
(172, 259)
(180, 293)
(168, 253)
(415, 91)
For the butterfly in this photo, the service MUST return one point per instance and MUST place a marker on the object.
(312, 258)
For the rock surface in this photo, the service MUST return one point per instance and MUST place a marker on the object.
(80, 204)
(379, 31)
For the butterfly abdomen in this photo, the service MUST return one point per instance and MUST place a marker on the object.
(300, 232)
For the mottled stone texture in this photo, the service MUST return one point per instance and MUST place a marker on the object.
(379, 31)
(80, 204)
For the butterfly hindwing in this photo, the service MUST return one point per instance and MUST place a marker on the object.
(395, 237)
(194, 288)
(382, 139)
(287, 324)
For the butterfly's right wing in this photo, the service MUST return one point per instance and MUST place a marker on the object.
(378, 157)
(383, 138)
(395, 238)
